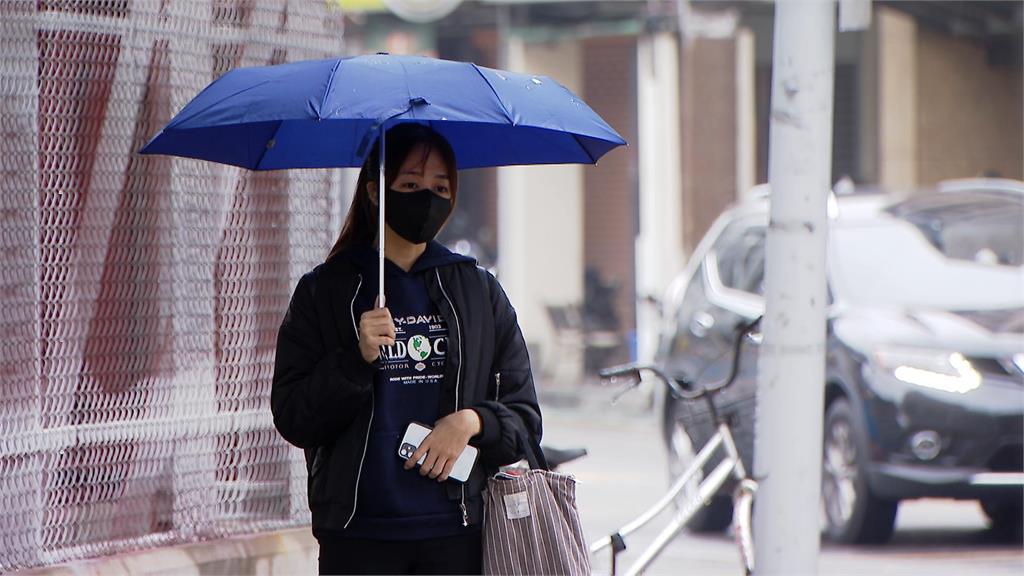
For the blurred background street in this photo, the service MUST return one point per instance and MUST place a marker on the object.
(625, 472)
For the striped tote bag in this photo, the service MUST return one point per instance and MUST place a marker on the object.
(531, 525)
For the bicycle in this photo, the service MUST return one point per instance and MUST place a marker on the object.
(731, 465)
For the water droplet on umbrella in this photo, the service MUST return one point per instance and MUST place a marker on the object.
(270, 143)
(535, 81)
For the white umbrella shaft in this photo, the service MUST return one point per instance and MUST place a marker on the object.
(380, 219)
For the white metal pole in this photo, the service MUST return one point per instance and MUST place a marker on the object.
(380, 218)
(792, 363)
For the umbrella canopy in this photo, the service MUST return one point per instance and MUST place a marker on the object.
(326, 113)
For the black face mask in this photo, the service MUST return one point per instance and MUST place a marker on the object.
(416, 216)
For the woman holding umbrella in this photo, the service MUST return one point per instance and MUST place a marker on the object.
(446, 351)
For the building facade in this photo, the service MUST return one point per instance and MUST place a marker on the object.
(928, 91)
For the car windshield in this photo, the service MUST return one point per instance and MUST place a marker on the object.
(953, 252)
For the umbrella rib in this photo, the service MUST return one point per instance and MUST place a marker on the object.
(495, 92)
(330, 84)
(589, 155)
(178, 122)
(408, 91)
(266, 148)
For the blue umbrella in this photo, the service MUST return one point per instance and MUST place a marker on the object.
(327, 113)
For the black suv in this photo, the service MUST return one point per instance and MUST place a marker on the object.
(924, 395)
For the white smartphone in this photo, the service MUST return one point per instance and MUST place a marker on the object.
(415, 434)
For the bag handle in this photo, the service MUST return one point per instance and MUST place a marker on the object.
(534, 453)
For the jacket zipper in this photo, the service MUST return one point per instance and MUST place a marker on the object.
(458, 378)
(497, 386)
(366, 442)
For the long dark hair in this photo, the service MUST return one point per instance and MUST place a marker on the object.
(361, 223)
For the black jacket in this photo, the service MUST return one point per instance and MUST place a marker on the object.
(322, 392)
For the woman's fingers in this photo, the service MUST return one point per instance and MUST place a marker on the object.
(377, 325)
(371, 319)
(438, 468)
(376, 329)
(379, 331)
(447, 470)
(432, 461)
(376, 313)
(447, 442)
(437, 464)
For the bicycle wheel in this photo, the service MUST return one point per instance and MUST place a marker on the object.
(717, 514)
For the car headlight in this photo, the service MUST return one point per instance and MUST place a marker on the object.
(939, 370)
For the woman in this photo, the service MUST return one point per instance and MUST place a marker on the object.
(446, 351)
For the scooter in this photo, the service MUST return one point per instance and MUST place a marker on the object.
(557, 457)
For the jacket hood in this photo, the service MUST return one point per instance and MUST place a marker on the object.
(365, 257)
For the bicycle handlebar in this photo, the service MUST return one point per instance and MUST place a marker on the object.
(634, 370)
(678, 391)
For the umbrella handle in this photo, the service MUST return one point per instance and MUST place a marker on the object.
(380, 217)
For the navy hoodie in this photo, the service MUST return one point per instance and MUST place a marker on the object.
(394, 503)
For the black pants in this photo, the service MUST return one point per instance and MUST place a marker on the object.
(453, 555)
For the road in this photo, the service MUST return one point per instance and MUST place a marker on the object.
(625, 472)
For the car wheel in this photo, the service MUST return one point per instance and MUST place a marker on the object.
(716, 515)
(851, 513)
(1006, 517)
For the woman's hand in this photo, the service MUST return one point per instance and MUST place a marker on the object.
(445, 443)
(376, 329)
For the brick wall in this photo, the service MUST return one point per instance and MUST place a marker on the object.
(709, 134)
(610, 188)
(969, 111)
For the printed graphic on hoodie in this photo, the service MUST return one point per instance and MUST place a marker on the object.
(417, 357)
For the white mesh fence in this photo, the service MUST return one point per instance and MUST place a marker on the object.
(141, 295)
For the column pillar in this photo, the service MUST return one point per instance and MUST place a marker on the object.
(659, 245)
(540, 227)
(897, 100)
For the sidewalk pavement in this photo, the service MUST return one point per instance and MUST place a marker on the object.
(624, 472)
(292, 551)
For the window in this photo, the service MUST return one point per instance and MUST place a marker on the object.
(739, 256)
(694, 302)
